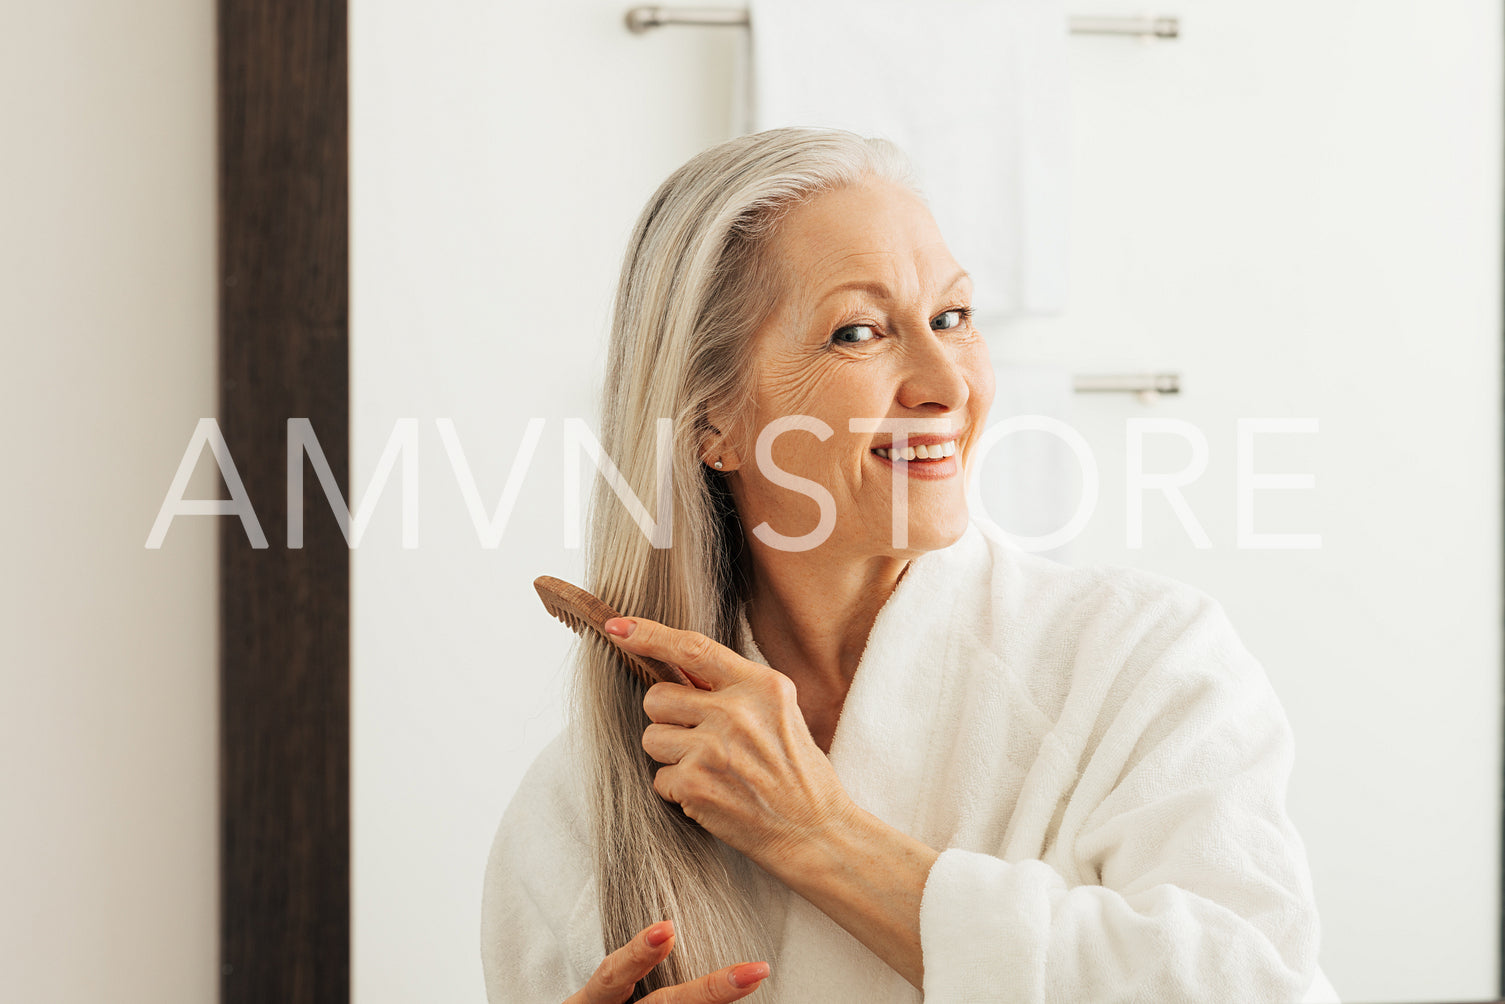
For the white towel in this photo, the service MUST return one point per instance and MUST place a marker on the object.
(1032, 482)
(974, 91)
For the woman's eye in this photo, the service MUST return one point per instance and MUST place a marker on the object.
(950, 319)
(854, 334)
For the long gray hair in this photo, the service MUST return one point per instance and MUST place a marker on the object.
(696, 284)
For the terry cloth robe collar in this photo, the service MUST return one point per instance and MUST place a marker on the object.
(874, 751)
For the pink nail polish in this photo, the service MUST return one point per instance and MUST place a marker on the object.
(748, 973)
(620, 626)
(659, 933)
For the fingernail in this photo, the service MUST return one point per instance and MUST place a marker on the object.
(620, 626)
(659, 933)
(748, 973)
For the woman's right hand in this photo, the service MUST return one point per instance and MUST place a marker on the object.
(619, 972)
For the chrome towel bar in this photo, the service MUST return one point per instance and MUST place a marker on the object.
(640, 19)
(1147, 385)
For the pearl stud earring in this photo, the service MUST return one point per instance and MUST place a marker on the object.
(718, 465)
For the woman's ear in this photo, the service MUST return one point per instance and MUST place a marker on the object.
(718, 455)
(718, 449)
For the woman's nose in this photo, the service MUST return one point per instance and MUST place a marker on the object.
(934, 376)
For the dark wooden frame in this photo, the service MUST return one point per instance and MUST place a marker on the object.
(284, 613)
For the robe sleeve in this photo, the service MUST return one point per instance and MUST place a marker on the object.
(536, 887)
(1204, 891)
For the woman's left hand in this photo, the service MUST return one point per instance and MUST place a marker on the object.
(738, 755)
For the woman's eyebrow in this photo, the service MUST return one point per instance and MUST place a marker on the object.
(870, 286)
(877, 289)
(963, 274)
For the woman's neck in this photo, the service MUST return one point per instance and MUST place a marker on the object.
(811, 612)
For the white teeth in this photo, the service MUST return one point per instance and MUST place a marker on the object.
(937, 452)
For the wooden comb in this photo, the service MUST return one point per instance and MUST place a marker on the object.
(585, 611)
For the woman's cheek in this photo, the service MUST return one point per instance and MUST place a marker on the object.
(981, 381)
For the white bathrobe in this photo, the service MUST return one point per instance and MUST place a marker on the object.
(1100, 761)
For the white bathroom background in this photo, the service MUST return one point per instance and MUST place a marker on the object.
(1294, 206)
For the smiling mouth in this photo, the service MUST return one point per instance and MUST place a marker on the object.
(937, 451)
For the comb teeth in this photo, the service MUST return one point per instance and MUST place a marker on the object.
(587, 614)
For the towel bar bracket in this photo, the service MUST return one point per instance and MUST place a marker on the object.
(641, 19)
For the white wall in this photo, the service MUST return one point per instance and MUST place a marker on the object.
(108, 843)
(1296, 206)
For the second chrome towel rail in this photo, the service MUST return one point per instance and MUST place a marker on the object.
(1148, 386)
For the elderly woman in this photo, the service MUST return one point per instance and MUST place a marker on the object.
(915, 760)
